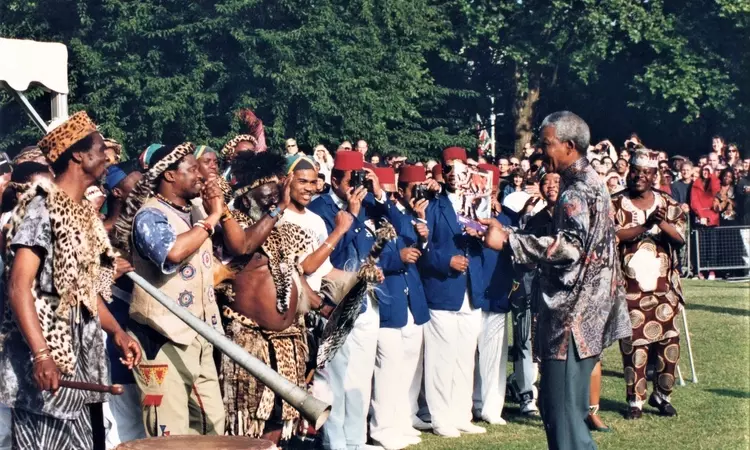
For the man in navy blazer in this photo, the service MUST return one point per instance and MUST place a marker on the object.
(453, 279)
(403, 311)
(348, 375)
(492, 354)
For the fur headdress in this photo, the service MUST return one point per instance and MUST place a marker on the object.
(229, 150)
(143, 190)
(255, 169)
(77, 127)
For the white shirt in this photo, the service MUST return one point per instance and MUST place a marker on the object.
(312, 223)
(457, 202)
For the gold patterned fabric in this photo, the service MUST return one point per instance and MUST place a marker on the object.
(653, 294)
(650, 270)
(635, 360)
(249, 403)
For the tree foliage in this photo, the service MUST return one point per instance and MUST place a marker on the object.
(406, 75)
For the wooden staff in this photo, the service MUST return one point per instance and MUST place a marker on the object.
(115, 389)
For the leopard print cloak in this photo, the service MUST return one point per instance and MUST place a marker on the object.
(284, 248)
(249, 403)
(83, 268)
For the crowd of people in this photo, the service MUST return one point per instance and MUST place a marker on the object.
(272, 249)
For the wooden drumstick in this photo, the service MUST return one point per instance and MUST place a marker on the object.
(115, 389)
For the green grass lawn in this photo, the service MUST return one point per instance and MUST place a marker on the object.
(713, 414)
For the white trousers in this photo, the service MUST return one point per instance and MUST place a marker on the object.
(123, 420)
(347, 382)
(397, 381)
(450, 341)
(492, 363)
(6, 423)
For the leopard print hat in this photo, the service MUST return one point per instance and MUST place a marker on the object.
(142, 191)
(229, 150)
(57, 141)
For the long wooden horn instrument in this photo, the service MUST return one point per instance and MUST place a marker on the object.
(313, 410)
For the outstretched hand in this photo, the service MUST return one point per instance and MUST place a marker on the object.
(495, 237)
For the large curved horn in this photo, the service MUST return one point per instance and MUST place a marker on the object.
(313, 410)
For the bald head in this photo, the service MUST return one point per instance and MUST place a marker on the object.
(362, 147)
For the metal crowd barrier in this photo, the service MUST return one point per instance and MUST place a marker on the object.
(721, 248)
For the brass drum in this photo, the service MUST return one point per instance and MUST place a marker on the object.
(198, 443)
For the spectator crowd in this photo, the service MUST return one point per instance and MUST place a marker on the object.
(271, 247)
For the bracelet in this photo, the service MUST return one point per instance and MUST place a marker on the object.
(42, 357)
(202, 224)
(226, 215)
(276, 212)
(41, 350)
(330, 247)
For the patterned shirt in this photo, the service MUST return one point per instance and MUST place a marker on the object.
(154, 237)
(17, 386)
(579, 274)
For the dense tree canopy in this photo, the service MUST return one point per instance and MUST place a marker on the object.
(407, 75)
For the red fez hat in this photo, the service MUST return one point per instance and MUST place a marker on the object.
(493, 169)
(349, 160)
(454, 153)
(412, 174)
(385, 175)
(437, 169)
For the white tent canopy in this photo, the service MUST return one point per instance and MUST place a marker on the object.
(25, 63)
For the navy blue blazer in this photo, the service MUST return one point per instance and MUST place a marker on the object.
(355, 245)
(498, 275)
(403, 289)
(445, 287)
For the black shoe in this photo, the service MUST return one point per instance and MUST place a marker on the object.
(665, 408)
(633, 413)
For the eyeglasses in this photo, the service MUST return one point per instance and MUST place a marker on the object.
(733, 150)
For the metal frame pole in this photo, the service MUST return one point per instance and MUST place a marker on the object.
(26, 104)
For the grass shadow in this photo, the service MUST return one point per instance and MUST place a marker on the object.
(609, 405)
(718, 309)
(611, 373)
(729, 393)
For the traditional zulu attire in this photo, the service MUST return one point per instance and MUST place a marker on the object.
(77, 265)
(654, 294)
(249, 403)
(177, 378)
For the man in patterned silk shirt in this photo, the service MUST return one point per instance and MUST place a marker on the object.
(581, 306)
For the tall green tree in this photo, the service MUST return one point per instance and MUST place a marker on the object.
(532, 51)
(154, 71)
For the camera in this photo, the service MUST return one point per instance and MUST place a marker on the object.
(358, 178)
(420, 192)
